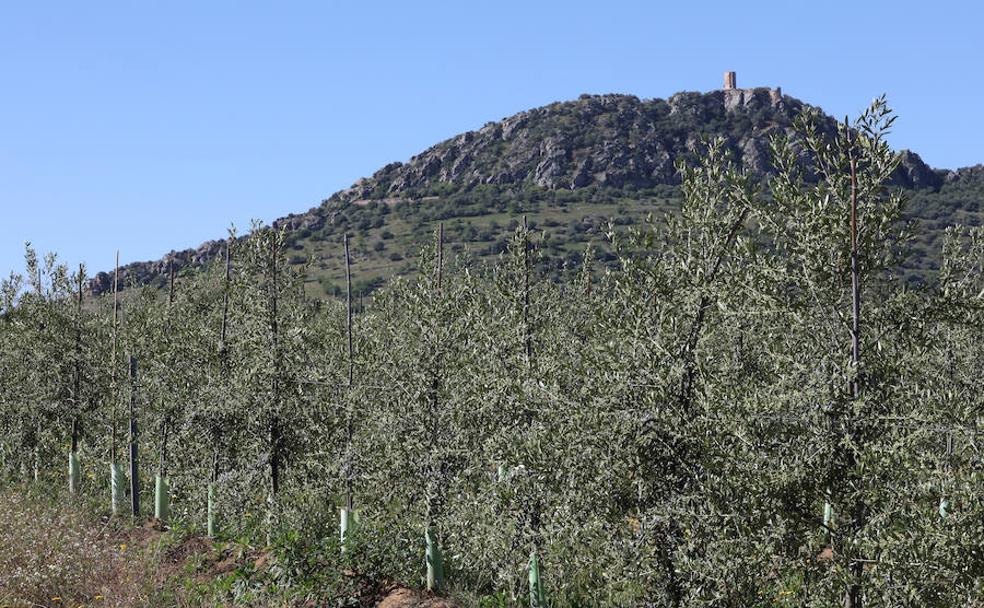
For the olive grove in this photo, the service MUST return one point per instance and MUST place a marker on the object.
(753, 410)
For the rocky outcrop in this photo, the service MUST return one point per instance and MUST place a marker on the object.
(974, 174)
(143, 273)
(753, 99)
(914, 173)
(607, 140)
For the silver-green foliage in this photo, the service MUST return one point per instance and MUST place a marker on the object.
(663, 434)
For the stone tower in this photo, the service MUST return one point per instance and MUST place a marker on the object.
(730, 81)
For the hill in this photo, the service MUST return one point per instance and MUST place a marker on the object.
(572, 167)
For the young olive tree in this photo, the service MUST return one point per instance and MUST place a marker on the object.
(829, 279)
(417, 456)
(269, 316)
(46, 325)
(660, 320)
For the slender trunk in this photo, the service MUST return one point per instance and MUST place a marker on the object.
(115, 474)
(223, 358)
(348, 416)
(113, 363)
(39, 428)
(162, 464)
(673, 591)
(433, 418)
(75, 435)
(532, 504)
(37, 452)
(223, 352)
(527, 335)
(433, 556)
(274, 457)
(216, 430)
(214, 477)
(854, 596)
(689, 354)
(134, 464)
(211, 526)
(223, 347)
(855, 288)
(274, 422)
(77, 388)
(440, 255)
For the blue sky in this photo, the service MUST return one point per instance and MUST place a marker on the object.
(151, 126)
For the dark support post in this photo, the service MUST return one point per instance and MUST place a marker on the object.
(74, 467)
(134, 468)
(348, 417)
(115, 472)
(211, 525)
(433, 556)
(274, 422)
(854, 595)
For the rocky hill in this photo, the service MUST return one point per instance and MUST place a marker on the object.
(570, 165)
(606, 140)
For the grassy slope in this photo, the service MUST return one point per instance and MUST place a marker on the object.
(387, 237)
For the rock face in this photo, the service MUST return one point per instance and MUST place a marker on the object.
(974, 174)
(142, 273)
(617, 141)
(607, 140)
(914, 173)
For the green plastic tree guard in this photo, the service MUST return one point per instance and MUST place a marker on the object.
(74, 472)
(211, 526)
(162, 500)
(348, 525)
(435, 562)
(537, 597)
(116, 485)
(828, 514)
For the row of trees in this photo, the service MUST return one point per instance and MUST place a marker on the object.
(753, 410)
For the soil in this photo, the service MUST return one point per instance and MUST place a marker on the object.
(402, 597)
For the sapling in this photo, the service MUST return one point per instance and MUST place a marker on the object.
(115, 471)
(162, 498)
(74, 466)
(134, 451)
(434, 558)
(215, 425)
(348, 519)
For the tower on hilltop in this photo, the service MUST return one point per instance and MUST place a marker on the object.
(730, 81)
